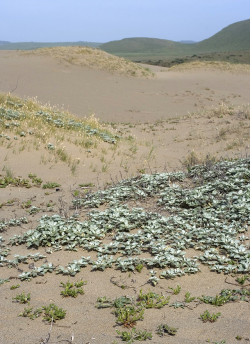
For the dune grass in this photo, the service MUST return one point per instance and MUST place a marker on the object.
(213, 65)
(93, 58)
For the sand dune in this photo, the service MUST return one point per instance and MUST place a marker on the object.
(161, 124)
(117, 98)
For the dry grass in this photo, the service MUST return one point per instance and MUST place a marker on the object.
(240, 111)
(93, 58)
(212, 66)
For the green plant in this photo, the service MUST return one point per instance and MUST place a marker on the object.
(134, 335)
(70, 291)
(22, 298)
(51, 185)
(87, 185)
(206, 316)
(238, 337)
(176, 290)
(164, 328)
(241, 280)
(129, 315)
(15, 286)
(152, 300)
(218, 300)
(188, 298)
(53, 312)
(139, 267)
(26, 205)
(32, 315)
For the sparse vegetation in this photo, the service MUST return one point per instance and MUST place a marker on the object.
(130, 337)
(22, 298)
(206, 316)
(69, 289)
(53, 312)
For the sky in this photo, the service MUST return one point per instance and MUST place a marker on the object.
(107, 20)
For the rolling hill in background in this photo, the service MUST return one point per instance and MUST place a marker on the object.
(37, 45)
(4, 42)
(235, 37)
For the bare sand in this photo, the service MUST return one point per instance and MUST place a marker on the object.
(161, 122)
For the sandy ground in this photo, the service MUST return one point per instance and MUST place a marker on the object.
(152, 117)
(116, 98)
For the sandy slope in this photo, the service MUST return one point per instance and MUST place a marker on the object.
(119, 98)
(157, 142)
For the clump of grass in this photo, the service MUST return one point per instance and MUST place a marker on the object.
(213, 65)
(193, 159)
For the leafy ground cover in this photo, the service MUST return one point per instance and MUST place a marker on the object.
(211, 216)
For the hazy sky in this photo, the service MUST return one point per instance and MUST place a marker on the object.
(106, 20)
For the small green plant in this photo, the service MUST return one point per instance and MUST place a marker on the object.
(103, 302)
(27, 204)
(129, 315)
(87, 185)
(15, 286)
(50, 185)
(206, 316)
(22, 298)
(238, 337)
(176, 290)
(70, 291)
(139, 267)
(218, 300)
(241, 280)
(134, 335)
(152, 300)
(165, 329)
(53, 312)
(188, 298)
(29, 314)
(35, 180)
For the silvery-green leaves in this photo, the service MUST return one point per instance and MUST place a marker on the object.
(37, 271)
(210, 216)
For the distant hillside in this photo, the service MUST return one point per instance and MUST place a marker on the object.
(37, 45)
(187, 42)
(234, 37)
(143, 45)
(4, 42)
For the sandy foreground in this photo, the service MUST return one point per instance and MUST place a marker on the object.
(162, 120)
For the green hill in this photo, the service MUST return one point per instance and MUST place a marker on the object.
(144, 46)
(235, 37)
(37, 45)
